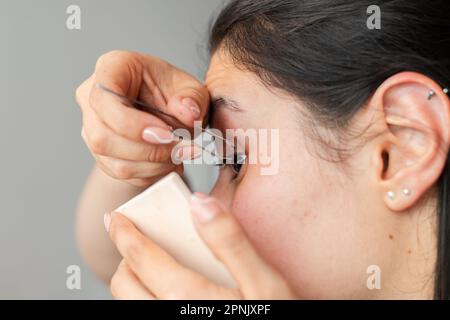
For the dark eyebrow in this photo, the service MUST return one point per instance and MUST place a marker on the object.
(225, 102)
(221, 102)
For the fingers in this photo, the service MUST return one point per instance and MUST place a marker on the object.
(125, 285)
(226, 239)
(125, 169)
(103, 141)
(123, 119)
(152, 80)
(113, 129)
(148, 261)
(82, 93)
(186, 98)
(121, 72)
(189, 105)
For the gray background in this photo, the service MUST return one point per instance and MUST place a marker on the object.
(43, 160)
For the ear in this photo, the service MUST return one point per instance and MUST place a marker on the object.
(412, 154)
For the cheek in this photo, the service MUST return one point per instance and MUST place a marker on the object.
(264, 210)
(289, 217)
(278, 211)
(275, 208)
(295, 219)
(300, 224)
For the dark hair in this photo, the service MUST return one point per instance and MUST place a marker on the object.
(322, 52)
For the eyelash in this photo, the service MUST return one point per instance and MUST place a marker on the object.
(233, 166)
(236, 166)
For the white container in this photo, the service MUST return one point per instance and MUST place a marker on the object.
(162, 213)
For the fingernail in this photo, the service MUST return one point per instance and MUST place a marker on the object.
(188, 153)
(204, 208)
(192, 105)
(107, 220)
(158, 135)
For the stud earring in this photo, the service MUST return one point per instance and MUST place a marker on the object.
(391, 195)
(431, 94)
(406, 192)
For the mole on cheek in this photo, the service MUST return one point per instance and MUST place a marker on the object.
(391, 236)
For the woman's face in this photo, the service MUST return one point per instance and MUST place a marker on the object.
(319, 224)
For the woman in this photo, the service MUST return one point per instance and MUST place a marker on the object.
(364, 123)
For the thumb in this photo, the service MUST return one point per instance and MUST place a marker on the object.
(229, 243)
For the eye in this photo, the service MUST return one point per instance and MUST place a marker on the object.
(236, 167)
(238, 162)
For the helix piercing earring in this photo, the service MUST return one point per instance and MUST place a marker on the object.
(391, 195)
(431, 94)
(406, 192)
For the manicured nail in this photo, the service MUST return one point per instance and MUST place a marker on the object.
(204, 208)
(192, 105)
(189, 153)
(158, 135)
(107, 220)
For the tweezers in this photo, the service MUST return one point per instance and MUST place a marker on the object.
(157, 112)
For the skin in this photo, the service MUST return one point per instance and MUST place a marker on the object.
(310, 231)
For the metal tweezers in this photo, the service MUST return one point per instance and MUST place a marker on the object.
(239, 158)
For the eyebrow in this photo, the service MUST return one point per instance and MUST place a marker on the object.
(221, 102)
(224, 102)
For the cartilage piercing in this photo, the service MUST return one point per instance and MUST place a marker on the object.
(431, 94)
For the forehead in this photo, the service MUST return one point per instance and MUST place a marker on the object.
(225, 80)
(232, 90)
(259, 107)
(222, 72)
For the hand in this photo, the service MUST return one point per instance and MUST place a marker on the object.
(130, 144)
(148, 272)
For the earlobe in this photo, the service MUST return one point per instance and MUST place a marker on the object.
(416, 112)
